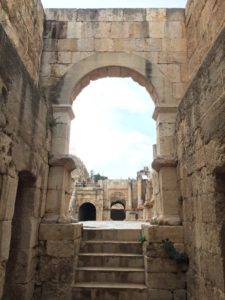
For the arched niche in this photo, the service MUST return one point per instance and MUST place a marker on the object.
(87, 212)
(117, 212)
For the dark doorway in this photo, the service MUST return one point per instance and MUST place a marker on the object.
(87, 212)
(118, 211)
(220, 211)
(18, 269)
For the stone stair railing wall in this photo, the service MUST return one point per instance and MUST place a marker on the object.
(59, 246)
(76, 264)
(165, 279)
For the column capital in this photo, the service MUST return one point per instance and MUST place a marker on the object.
(160, 162)
(64, 108)
(164, 110)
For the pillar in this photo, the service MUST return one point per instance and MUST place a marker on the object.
(62, 116)
(165, 165)
(59, 184)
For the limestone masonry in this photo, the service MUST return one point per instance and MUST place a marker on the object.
(47, 57)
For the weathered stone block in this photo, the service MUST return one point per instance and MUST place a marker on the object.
(52, 291)
(174, 29)
(5, 238)
(58, 231)
(60, 248)
(8, 187)
(159, 233)
(157, 294)
(48, 269)
(74, 30)
(155, 14)
(180, 295)
(161, 265)
(168, 281)
(157, 29)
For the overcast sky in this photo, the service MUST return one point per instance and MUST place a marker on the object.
(113, 130)
(113, 3)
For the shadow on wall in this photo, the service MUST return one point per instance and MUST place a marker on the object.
(19, 272)
(220, 211)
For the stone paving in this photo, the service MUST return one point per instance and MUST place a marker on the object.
(114, 224)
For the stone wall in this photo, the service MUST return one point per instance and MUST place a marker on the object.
(165, 278)
(204, 21)
(200, 138)
(58, 254)
(24, 142)
(157, 35)
(23, 22)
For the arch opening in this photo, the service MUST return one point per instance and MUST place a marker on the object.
(117, 212)
(87, 212)
(113, 124)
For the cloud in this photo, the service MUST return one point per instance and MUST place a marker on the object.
(101, 137)
(114, 3)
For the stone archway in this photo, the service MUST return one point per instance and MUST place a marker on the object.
(158, 85)
(117, 212)
(87, 212)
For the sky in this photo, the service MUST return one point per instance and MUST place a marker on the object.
(113, 131)
(112, 3)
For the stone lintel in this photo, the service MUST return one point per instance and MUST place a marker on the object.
(163, 109)
(64, 108)
(68, 161)
(161, 162)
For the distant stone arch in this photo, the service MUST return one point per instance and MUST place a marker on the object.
(87, 212)
(117, 212)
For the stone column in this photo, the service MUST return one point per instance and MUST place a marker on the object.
(59, 183)
(165, 164)
(139, 198)
(129, 202)
(62, 116)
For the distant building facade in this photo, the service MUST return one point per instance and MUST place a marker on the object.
(113, 199)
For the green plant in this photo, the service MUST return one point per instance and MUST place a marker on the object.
(141, 239)
(180, 257)
(153, 221)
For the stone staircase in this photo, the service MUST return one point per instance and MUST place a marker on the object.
(110, 266)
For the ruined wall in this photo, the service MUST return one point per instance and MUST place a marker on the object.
(165, 278)
(201, 170)
(24, 142)
(23, 22)
(59, 249)
(204, 21)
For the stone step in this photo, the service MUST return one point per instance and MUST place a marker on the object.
(96, 246)
(104, 274)
(111, 234)
(109, 291)
(111, 260)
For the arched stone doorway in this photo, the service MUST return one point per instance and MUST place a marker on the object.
(87, 212)
(117, 212)
(21, 263)
(160, 88)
